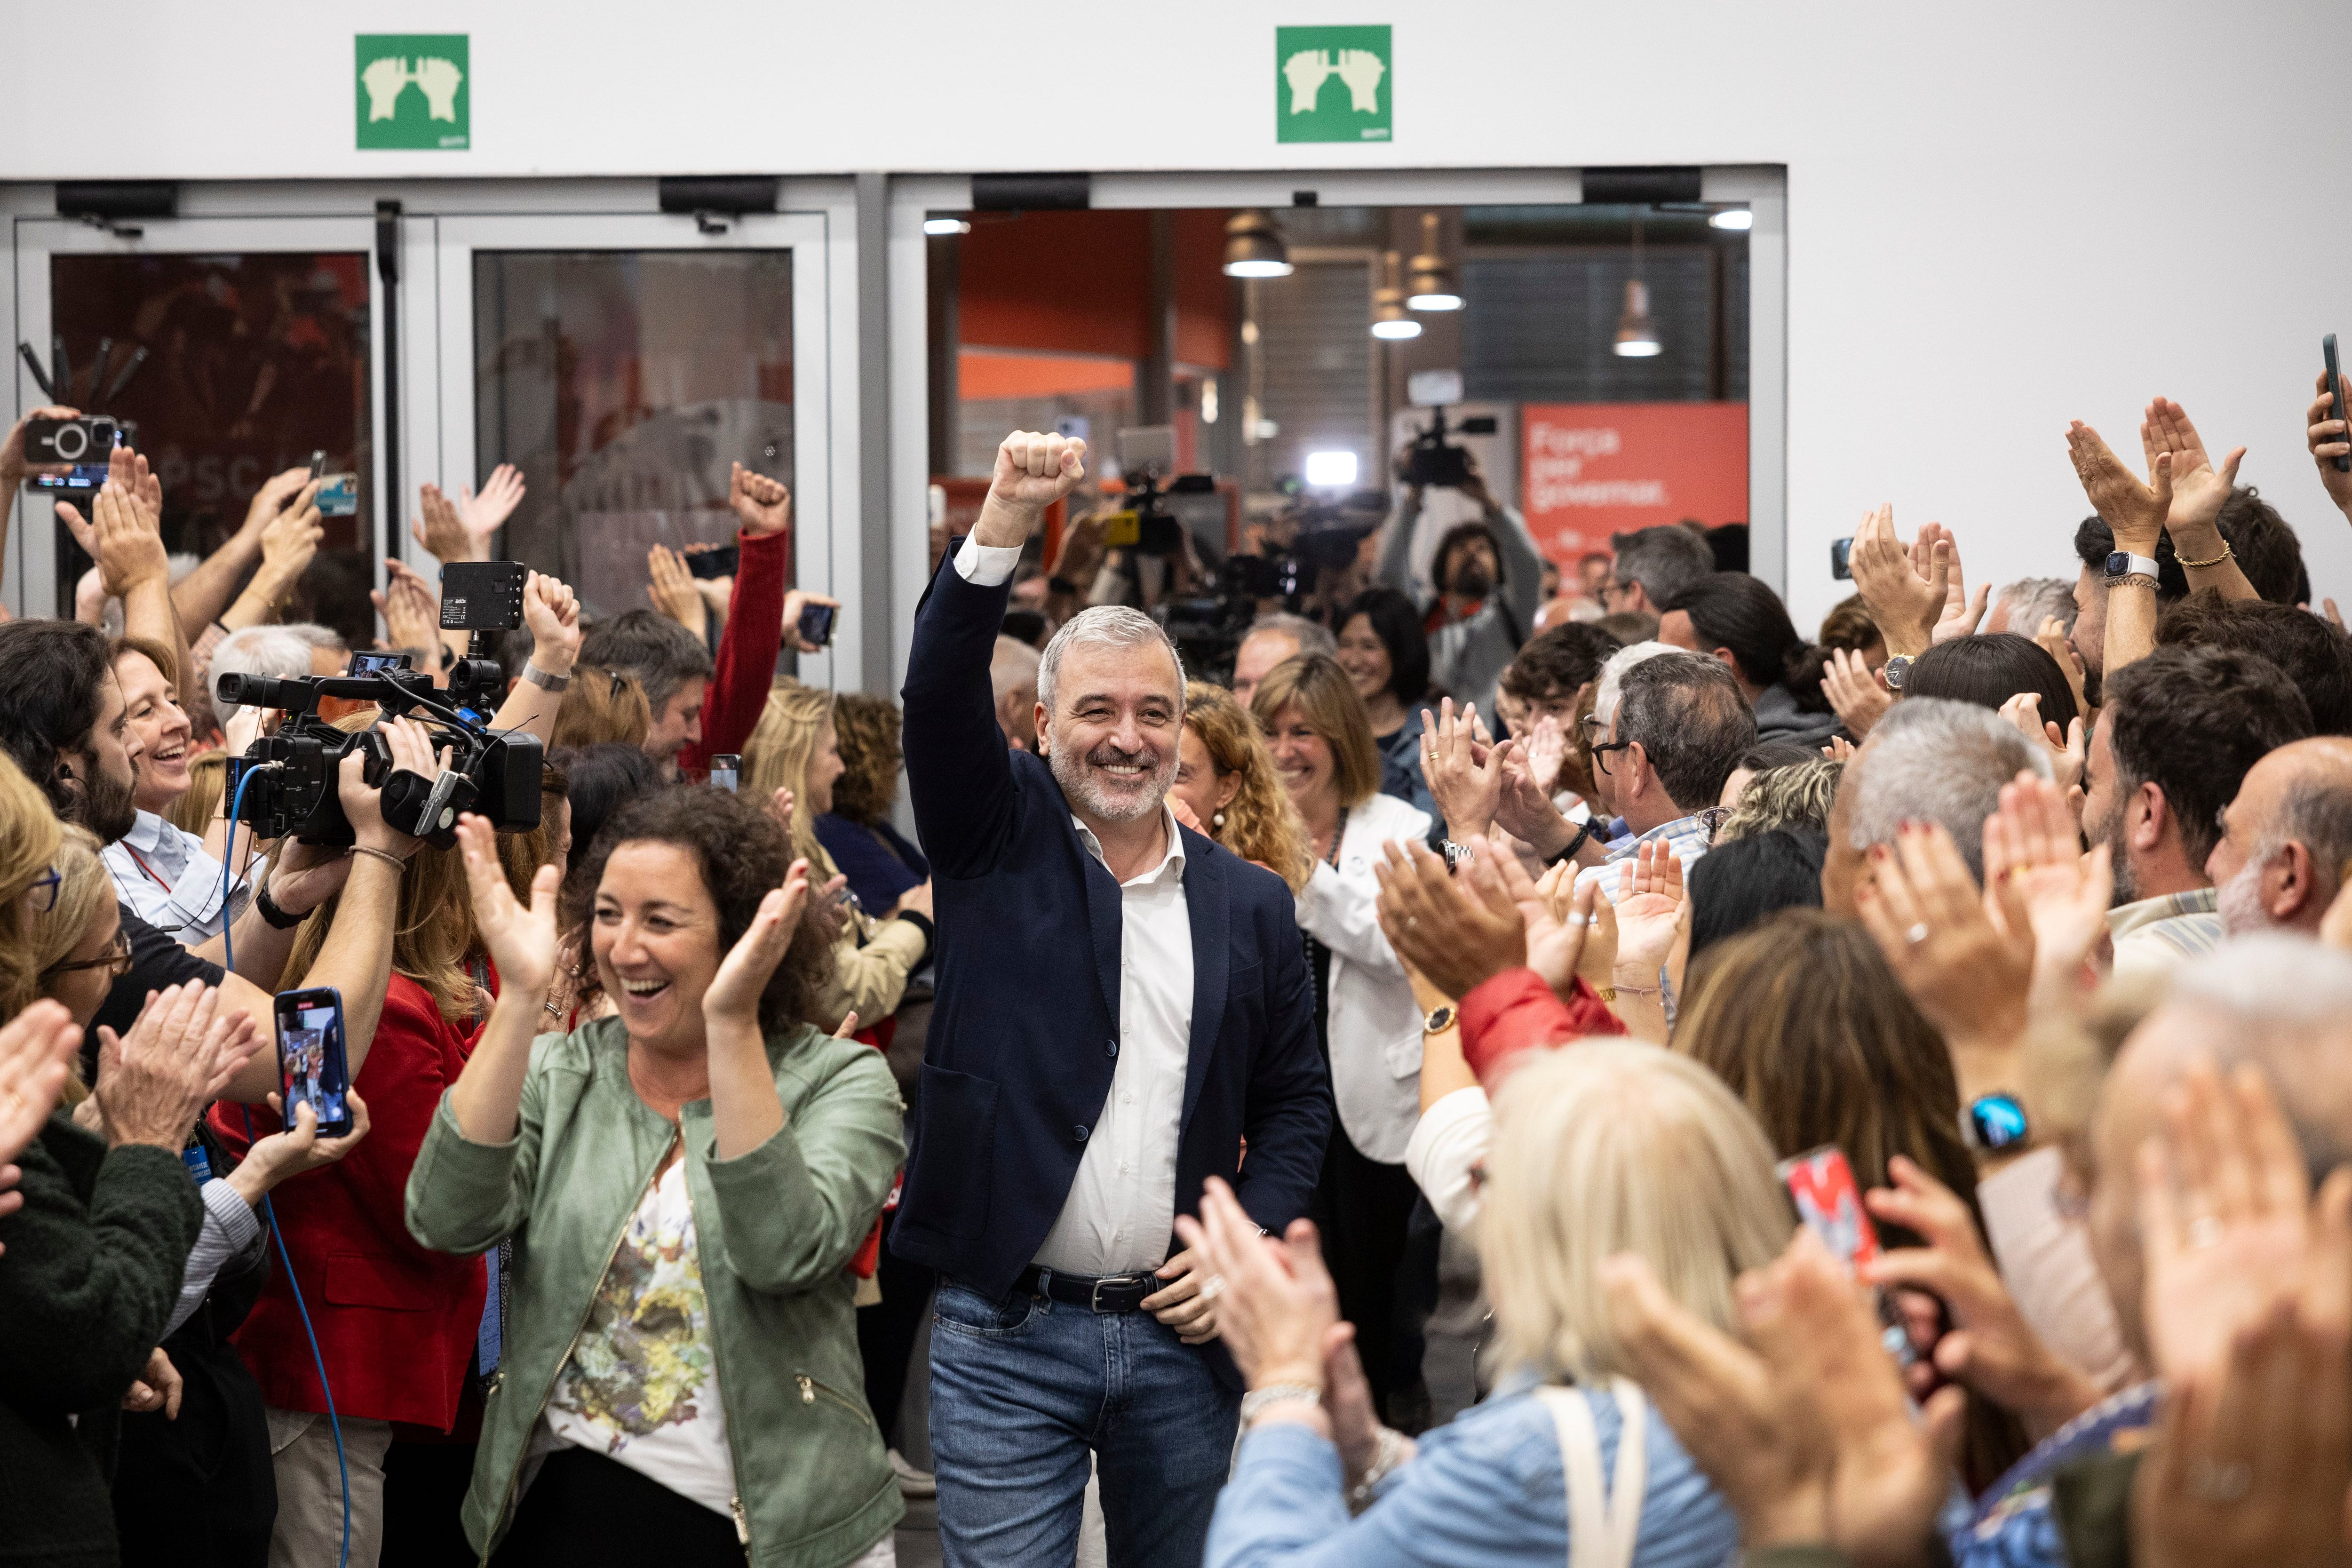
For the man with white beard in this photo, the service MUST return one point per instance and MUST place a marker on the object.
(2285, 839)
(2181, 728)
(1121, 1004)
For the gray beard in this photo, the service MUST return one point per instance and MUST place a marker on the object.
(1078, 788)
(2241, 901)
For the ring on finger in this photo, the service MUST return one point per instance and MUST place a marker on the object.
(2205, 1230)
(1917, 933)
(1213, 1287)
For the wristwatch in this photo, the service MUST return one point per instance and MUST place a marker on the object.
(1994, 1121)
(544, 680)
(1583, 832)
(271, 915)
(1456, 855)
(1440, 1019)
(1896, 670)
(2123, 565)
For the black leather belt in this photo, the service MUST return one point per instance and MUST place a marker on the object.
(1108, 1293)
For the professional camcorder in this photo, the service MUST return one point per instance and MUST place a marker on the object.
(1310, 538)
(1429, 461)
(286, 783)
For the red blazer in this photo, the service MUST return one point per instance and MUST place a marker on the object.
(396, 1323)
(738, 692)
(1516, 1012)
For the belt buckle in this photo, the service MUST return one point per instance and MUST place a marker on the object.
(1094, 1301)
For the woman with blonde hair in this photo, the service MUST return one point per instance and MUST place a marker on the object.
(1603, 1148)
(29, 835)
(1225, 776)
(601, 705)
(795, 748)
(1366, 1020)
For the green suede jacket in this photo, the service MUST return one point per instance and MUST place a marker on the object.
(775, 1229)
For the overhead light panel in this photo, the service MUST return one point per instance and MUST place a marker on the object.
(945, 223)
(1637, 338)
(1254, 246)
(1731, 217)
(1390, 319)
(1432, 283)
(1330, 471)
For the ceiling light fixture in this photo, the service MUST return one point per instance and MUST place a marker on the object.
(1389, 320)
(945, 223)
(1433, 281)
(1731, 217)
(1254, 247)
(1637, 338)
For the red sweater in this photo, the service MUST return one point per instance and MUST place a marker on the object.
(738, 692)
(396, 1323)
(1516, 1012)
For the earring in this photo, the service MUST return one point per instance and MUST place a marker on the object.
(1216, 819)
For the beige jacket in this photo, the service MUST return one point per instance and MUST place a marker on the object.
(871, 962)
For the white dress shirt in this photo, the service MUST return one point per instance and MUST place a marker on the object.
(1122, 1207)
(164, 877)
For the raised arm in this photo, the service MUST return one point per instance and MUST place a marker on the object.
(958, 774)
(1395, 567)
(203, 593)
(756, 627)
(2134, 514)
(14, 470)
(124, 535)
(2199, 492)
(551, 612)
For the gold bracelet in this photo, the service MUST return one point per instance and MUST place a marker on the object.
(2200, 566)
(386, 856)
(1606, 993)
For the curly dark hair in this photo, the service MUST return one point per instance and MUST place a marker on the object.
(866, 729)
(743, 853)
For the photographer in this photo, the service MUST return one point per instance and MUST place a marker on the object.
(1488, 576)
(63, 720)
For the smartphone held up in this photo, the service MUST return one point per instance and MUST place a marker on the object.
(312, 1068)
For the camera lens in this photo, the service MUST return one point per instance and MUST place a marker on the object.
(72, 440)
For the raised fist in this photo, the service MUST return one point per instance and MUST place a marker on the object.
(1362, 70)
(1033, 470)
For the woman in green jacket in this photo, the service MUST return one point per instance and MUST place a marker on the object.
(683, 1184)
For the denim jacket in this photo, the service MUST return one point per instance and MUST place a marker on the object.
(775, 1227)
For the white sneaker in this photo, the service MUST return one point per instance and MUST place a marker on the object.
(912, 1482)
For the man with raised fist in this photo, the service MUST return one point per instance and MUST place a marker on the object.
(1121, 1005)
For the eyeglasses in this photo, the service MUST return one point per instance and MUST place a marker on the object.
(117, 960)
(43, 894)
(1600, 753)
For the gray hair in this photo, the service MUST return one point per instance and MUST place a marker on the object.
(1664, 560)
(1934, 760)
(1612, 683)
(1691, 720)
(1104, 626)
(271, 650)
(1312, 637)
(2033, 600)
(2292, 999)
(1012, 667)
(314, 634)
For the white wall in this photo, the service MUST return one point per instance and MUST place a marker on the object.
(2000, 214)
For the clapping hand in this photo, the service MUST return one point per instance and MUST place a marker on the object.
(673, 592)
(1274, 1299)
(1653, 911)
(125, 536)
(409, 607)
(2030, 843)
(36, 1049)
(179, 1054)
(2065, 750)
(1446, 926)
(1464, 776)
(763, 505)
(483, 515)
(1547, 752)
(1809, 1435)
(521, 938)
(1966, 958)
(1556, 935)
(272, 501)
(733, 996)
(442, 532)
(2198, 487)
(2133, 513)
(1962, 614)
(1855, 695)
(1906, 598)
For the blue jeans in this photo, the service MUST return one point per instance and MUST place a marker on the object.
(1022, 1387)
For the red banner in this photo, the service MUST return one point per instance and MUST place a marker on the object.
(1590, 470)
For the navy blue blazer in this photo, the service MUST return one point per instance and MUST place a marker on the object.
(1025, 1035)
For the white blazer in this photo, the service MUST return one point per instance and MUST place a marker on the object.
(1375, 1023)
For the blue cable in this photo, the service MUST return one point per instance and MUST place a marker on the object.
(268, 1212)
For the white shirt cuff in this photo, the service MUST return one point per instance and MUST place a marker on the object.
(1448, 1141)
(986, 565)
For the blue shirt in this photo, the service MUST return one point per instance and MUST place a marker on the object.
(1487, 1489)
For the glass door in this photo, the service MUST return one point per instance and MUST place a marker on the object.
(239, 346)
(624, 364)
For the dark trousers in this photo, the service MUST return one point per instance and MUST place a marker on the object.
(424, 1486)
(585, 1508)
(887, 1332)
(199, 1491)
(1363, 1208)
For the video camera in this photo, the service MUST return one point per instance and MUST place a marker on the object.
(285, 783)
(1429, 461)
(1207, 629)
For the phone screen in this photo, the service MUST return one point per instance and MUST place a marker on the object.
(1842, 558)
(726, 768)
(310, 1065)
(816, 624)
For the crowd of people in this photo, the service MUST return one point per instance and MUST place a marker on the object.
(1488, 1066)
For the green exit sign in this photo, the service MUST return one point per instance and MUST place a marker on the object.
(414, 91)
(1333, 84)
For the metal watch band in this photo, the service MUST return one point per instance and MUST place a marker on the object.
(544, 680)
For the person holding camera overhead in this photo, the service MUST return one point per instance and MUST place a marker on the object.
(1486, 572)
